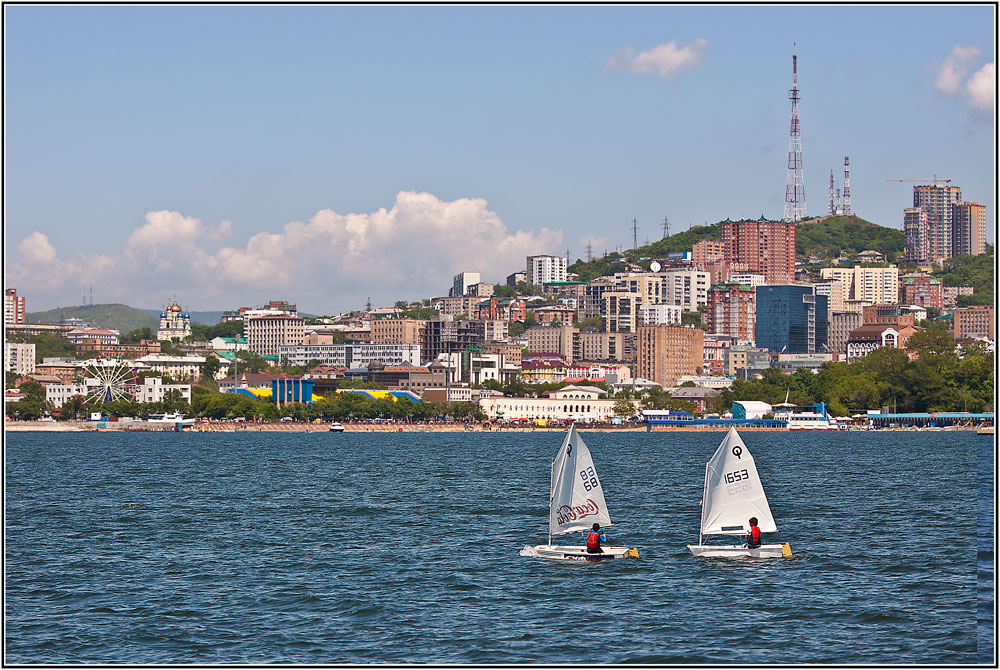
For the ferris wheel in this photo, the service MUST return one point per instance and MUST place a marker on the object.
(112, 381)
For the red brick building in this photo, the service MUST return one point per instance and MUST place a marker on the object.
(764, 247)
(923, 291)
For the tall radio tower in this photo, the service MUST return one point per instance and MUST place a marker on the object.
(795, 186)
(833, 203)
(847, 185)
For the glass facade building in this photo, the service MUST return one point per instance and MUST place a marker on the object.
(791, 319)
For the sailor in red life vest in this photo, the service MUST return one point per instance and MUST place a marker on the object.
(753, 537)
(594, 539)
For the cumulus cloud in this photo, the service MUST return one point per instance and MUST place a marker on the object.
(332, 261)
(666, 60)
(982, 87)
(979, 90)
(953, 69)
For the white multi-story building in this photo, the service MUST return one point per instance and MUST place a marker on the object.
(545, 269)
(687, 288)
(151, 390)
(102, 335)
(266, 334)
(580, 403)
(228, 344)
(178, 367)
(747, 279)
(877, 286)
(462, 282)
(19, 358)
(660, 315)
(349, 355)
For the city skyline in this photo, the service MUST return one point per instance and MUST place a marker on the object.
(325, 154)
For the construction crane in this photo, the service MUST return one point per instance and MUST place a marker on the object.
(934, 180)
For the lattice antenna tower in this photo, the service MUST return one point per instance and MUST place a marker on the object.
(847, 185)
(666, 227)
(833, 203)
(368, 305)
(795, 187)
(590, 251)
(635, 234)
(567, 258)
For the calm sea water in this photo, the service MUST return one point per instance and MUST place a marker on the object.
(393, 548)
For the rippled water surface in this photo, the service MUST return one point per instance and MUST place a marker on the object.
(394, 547)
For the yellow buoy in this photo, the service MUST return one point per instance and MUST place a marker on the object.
(786, 550)
(633, 552)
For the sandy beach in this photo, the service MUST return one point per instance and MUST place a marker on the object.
(293, 427)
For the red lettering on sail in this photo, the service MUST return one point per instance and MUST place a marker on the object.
(567, 513)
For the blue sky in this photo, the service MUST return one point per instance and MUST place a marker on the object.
(323, 154)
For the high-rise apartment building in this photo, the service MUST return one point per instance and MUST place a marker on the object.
(764, 247)
(969, 229)
(461, 283)
(265, 334)
(940, 225)
(620, 311)
(732, 311)
(916, 234)
(939, 201)
(873, 285)
(544, 269)
(791, 319)
(706, 251)
(687, 288)
(13, 307)
(835, 292)
(666, 353)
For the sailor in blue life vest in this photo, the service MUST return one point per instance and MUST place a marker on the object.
(753, 537)
(594, 539)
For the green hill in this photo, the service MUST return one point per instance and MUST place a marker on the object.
(826, 238)
(832, 236)
(120, 317)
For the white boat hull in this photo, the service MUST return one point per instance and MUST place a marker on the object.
(739, 551)
(579, 552)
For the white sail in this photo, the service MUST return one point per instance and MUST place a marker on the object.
(576, 498)
(733, 492)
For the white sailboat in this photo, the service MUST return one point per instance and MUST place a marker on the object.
(733, 494)
(576, 502)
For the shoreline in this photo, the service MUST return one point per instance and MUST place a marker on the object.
(239, 427)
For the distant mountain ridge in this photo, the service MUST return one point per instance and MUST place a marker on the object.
(117, 316)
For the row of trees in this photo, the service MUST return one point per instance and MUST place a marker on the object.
(940, 380)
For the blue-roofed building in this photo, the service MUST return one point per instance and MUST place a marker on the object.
(791, 319)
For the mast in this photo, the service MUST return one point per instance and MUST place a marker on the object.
(701, 524)
(795, 188)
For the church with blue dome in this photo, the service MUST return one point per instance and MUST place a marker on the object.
(174, 322)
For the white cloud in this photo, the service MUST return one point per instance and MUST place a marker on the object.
(666, 60)
(979, 90)
(333, 261)
(35, 248)
(982, 87)
(953, 69)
